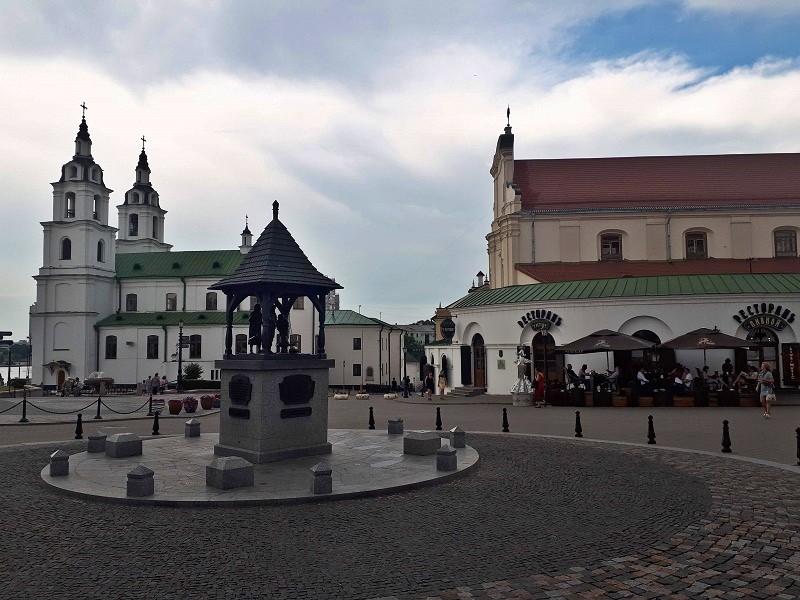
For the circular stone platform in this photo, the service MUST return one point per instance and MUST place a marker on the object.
(364, 463)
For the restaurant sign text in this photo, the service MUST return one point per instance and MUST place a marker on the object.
(539, 319)
(764, 314)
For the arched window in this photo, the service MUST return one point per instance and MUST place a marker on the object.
(211, 301)
(73, 172)
(96, 210)
(611, 246)
(111, 346)
(241, 343)
(61, 336)
(93, 175)
(696, 244)
(66, 249)
(155, 228)
(101, 251)
(154, 199)
(195, 346)
(785, 242)
(134, 197)
(69, 205)
(172, 301)
(131, 303)
(133, 225)
(647, 335)
(152, 346)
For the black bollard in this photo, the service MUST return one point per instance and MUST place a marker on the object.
(79, 428)
(97, 416)
(726, 438)
(438, 419)
(578, 428)
(797, 431)
(505, 421)
(371, 419)
(155, 424)
(651, 431)
(24, 418)
(150, 406)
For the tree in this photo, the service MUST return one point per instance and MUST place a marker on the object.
(413, 347)
(192, 371)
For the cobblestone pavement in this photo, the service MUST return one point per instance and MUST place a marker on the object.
(540, 518)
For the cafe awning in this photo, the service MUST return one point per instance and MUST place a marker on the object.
(707, 339)
(604, 340)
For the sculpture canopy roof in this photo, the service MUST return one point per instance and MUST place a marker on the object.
(275, 263)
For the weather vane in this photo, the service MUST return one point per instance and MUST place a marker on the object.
(508, 116)
(83, 106)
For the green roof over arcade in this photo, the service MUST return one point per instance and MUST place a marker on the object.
(197, 263)
(171, 319)
(635, 287)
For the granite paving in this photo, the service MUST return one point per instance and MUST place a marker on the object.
(539, 518)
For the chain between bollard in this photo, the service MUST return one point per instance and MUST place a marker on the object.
(11, 407)
(578, 428)
(130, 412)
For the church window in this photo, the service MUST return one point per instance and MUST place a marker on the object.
(96, 210)
(785, 242)
(133, 225)
(696, 245)
(356, 370)
(296, 342)
(172, 301)
(66, 249)
(241, 343)
(611, 247)
(131, 302)
(299, 304)
(111, 346)
(101, 251)
(154, 199)
(152, 346)
(73, 172)
(155, 228)
(357, 343)
(211, 301)
(195, 346)
(135, 197)
(94, 175)
(69, 205)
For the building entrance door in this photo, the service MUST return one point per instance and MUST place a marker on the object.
(544, 356)
(766, 351)
(479, 360)
(61, 377)
(466, 365)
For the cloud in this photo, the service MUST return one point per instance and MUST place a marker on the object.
(772, 8)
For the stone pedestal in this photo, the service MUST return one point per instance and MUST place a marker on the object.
(273, 408)
(229, 472)
(140, 482)
(97, 443)
(395, 426)
(446, 459)
(59, 464)
(192, 428)
(522, 399)
(323, 479)
(122, 445)
(422, 443)
(458, 437)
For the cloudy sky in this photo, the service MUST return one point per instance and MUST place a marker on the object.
(373, 123)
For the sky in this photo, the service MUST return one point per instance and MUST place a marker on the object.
(373, 124)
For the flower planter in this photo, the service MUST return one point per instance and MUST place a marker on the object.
(175, 407)
(728, 398)
(556, 397)
(190, 404)
(683, 401)
(631, 396)
(206, 402)
(577, 397)
(701, 396)
(646, 402)
(619, 401)
(601, 398)
(662, 398)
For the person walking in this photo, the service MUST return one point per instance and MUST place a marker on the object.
(766, 389)
(442, 384)
(538, 393)
(429, 385)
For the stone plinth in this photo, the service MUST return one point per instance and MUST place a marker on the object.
(323, 478)
(458, 437)
(97, 443)
(228, 472)
(446, 459)
(192, 428)
(522, 399)
(273, 408)
(59, 464)
(141, 482)
(395, 426)
(121, 445)
(421, 443)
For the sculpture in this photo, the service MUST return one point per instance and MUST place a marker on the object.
(254, 334)
(523, 384)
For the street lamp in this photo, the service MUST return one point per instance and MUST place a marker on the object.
(179, 383)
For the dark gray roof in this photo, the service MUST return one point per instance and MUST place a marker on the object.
(276, 262)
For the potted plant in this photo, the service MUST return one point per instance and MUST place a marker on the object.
(602, 395)
(216, 401)
(207, 401)
(190, 404)
(662, 396)
(175, 406)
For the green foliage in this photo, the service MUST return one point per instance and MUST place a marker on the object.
(192, 371)
(413, 347)
(17, 382)
(20, 352)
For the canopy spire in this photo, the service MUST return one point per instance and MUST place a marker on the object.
(275, 210)
(508, 116)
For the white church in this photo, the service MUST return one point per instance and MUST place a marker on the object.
(116, 299)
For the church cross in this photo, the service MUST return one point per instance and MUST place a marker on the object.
(83, 106)
(143, 141)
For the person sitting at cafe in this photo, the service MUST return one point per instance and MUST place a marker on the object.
(585, 376)
(645, 385)
(714, 382)
(747, 379)
(613, 377)
(688, 378)
(572, 376)
(678, 386)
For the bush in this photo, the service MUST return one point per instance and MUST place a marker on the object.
(200, 384)
(17, 382)
(192, 371)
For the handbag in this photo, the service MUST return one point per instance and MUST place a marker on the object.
(770, 397)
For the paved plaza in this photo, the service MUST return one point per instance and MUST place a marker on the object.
(541, 517)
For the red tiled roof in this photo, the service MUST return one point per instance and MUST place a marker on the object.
(562, 271)
(659, 181)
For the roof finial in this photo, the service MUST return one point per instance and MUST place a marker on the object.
(508, 116)
(275, 210)
(245, 221)
(84, 107)
(143, 141)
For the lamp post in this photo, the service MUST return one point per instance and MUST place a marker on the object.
(179, 383)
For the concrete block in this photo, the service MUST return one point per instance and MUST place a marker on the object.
(97, 442)
(446, 459)
(323, 479)
(458, 437)
(229, 472)
(140, 482)
(121, 445)
(192, 428)
(421, 443)
(59, 464)
(396, 426)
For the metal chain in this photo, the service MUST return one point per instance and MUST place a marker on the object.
(56, 412)
(10, 407)
(125, 413)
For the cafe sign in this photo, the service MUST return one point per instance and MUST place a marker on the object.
(448, 329)
(539, 320)
(764, 315)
